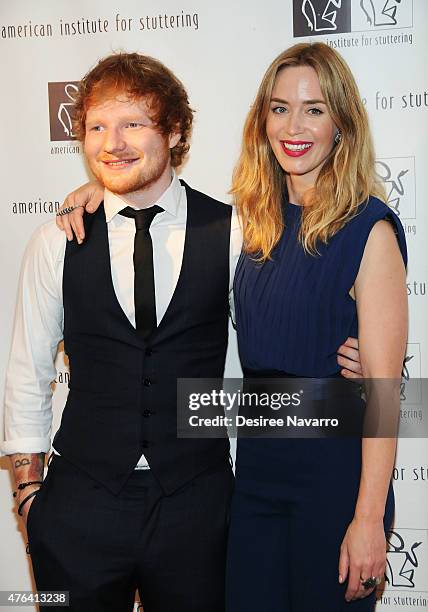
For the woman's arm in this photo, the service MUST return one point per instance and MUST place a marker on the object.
(381, 296)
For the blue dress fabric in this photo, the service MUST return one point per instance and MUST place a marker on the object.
(294, 498)
(295, 310)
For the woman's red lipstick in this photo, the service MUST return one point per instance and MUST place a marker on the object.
(296, 148)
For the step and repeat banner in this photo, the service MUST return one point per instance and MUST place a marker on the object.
(220, 51)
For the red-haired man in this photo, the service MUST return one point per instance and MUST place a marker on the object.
(103, 524)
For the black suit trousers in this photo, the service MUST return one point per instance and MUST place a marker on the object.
(103, 547)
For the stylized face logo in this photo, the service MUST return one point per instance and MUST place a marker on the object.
(412, 385)
(321, 16)
(62, 97)
(380, 12)
(340, 16)
(401, 561)
(395, 186)
(65, 108)
(321, 22)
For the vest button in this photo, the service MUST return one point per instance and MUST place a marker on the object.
(145, 444)
(147, 413)
(147, 382)
(149, 352)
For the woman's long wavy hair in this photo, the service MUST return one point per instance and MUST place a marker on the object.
(346, 179)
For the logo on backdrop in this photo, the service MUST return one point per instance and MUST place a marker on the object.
(312, 17)
(318, 16)
(379, 12)
(398, 176)
(411, 384)
(62, 97)
(404, 559)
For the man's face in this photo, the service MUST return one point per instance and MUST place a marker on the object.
(124, 149)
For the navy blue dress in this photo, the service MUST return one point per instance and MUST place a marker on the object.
(294, 498)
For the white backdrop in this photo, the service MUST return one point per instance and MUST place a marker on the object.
(220, 51)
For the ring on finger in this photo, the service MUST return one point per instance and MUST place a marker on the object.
(370, 583)
(68, 209)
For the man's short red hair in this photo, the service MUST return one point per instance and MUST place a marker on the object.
(138, 76)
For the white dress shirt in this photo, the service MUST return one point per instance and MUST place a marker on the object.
(38, 326)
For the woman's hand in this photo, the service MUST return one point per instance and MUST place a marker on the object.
(362, 556)
(348, 356)
(87, 197)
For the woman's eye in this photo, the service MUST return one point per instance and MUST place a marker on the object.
(278, 110)
(315, 111)
(133, 124)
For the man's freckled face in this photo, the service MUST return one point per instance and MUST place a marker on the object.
(124, 149)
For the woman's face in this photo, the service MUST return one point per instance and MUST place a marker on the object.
(298, 126)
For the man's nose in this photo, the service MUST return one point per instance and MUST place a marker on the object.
(114, 141)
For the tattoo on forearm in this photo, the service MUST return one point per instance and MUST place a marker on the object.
(29, 466)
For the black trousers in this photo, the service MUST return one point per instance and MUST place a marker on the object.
(293, 502)
(101, 547)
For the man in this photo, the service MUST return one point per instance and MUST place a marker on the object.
(141, 302)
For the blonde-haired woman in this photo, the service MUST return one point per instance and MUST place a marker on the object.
(324, 258)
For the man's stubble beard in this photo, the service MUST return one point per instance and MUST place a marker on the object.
(146, 177)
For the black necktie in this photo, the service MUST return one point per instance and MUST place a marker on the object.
(144, 280)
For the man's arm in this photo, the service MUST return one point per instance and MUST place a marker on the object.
(31, 370)
(28, 472)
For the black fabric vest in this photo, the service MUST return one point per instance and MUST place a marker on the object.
(123, 391)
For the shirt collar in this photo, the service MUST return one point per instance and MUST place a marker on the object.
(169, 200)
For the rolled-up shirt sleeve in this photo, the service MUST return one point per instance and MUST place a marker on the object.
(37, 330)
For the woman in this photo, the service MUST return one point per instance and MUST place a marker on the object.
(323, 258)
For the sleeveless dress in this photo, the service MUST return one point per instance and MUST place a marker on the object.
(294, 498)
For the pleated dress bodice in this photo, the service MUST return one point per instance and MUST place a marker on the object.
(295, 310)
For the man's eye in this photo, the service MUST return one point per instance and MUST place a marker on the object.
(96, 128)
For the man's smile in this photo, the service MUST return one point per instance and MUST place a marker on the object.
(120, 163)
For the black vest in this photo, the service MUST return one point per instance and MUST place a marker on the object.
(123, 391)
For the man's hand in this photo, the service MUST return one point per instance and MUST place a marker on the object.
(348, 357)
(87, 197)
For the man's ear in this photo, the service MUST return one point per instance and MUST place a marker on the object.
(174, 139)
